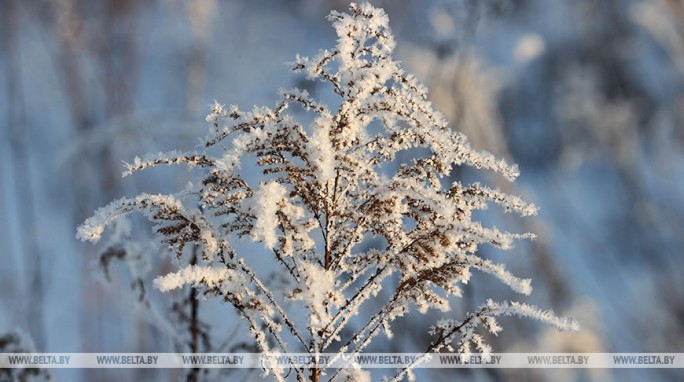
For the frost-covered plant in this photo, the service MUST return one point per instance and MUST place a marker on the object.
(336, 208)
(17, 341)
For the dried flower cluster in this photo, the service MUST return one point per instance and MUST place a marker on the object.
(19, 342)
(338, 208)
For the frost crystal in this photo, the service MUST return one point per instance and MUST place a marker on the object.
(265, 209)
(327, 189)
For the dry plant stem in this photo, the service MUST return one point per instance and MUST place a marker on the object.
(327, 188)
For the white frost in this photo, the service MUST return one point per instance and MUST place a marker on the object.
(223, 278)
(265, 206)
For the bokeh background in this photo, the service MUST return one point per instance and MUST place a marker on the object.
(586, 96)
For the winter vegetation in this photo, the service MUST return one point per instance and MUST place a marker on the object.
(584, 96)
(18, 342)
(328, 188)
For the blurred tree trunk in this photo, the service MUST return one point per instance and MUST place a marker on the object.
(19, 135)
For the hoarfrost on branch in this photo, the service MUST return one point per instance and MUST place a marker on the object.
(326, 188)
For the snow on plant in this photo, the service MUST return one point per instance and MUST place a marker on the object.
(17, 341)
(327, 187)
